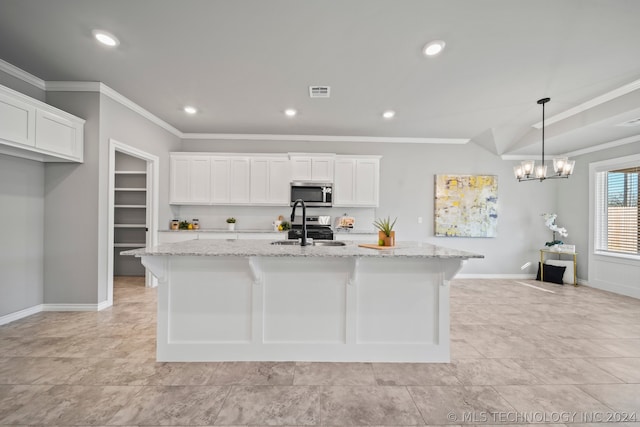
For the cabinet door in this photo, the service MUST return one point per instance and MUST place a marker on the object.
(179, 176)
(57, 134)
(322, 169)
(220, 179)
(200, 179)
(17, 121)
(260, 180)
(279, 182)
(190, 180)
(367, 182)
(239, 181)
(301, 168)
(344, 183)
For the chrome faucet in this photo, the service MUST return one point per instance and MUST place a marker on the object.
(304, 219)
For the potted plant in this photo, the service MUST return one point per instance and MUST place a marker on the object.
(231, 223)
(386, 235)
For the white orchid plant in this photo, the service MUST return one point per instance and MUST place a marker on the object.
(550, 222)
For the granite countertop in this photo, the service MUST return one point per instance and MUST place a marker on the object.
(247, 248)
(261, 230)
(222, 230)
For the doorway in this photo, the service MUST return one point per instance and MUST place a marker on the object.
(133, 211)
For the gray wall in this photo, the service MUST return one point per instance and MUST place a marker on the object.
(573, 207)
(21, 233)
(407, 188)
(71, 211)
(22, 86)
(76, 257)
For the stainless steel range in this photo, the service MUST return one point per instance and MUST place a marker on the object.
(318, 228)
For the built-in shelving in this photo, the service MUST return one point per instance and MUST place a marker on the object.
(130, 172)
(130, 213)
(129, 245)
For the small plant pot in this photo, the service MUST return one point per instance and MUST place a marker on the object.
(388, 240)
(231, 226)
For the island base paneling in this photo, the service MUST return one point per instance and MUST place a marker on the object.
(337, 309)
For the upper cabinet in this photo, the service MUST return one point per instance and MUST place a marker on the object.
(312, 167)
(190, 179)
(229, 179)
(34, 130)
(357, 181)
(270, 180)
(264, 179)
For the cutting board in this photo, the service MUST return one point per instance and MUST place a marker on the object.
(372, 246)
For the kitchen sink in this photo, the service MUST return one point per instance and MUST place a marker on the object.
(328, 243)
(314, 243)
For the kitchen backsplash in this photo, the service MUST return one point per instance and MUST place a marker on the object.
(262, 217)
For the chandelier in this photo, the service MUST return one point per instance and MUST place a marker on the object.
(528, 171)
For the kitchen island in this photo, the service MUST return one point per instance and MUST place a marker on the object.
(248, 300)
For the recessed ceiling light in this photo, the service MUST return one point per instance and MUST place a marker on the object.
(389, 114)
(290, 112)
(106, 38)
(433, 48)
(190, 110)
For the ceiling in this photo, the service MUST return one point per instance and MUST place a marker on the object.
(243, 62)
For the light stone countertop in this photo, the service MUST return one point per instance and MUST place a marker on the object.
(248, 248)
(261, 230)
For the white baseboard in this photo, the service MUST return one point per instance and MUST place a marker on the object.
(70, 307)
(11, 317)
(612, 287)
(495, 276)
(17, 315)
(104, 304)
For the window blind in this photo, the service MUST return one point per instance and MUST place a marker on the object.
(617, 213)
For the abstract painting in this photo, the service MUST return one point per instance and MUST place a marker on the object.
(466, 205)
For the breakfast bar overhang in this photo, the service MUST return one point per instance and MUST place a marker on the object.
(247, 300)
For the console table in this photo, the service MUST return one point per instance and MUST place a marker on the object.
(549, 251)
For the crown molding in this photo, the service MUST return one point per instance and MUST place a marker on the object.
(605, 146)
(616, 93)
(322, 138)
(116, 96)
(595, 148)
(22, 75)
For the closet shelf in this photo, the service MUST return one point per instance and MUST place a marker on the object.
(130, 206)
(130, 225)
(130, 189)
(130, 172)
(129, 245)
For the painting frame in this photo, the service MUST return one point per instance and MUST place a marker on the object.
(465, 205)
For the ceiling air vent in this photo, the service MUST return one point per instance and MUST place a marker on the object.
(319, 91)
(630, 123)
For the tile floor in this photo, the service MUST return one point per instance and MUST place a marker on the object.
(519, 355)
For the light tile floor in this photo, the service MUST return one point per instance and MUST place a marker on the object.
(519, 355)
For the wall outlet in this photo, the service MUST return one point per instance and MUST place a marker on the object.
(419, 220)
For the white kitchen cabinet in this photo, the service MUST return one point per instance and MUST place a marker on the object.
(176, 236)
(220, 167)
(34, 130)
(357, 181)
(270, 180)
(218, 235)
(240, 180)
(312, 167)
(58, 135)
(17, 121)
(190, 179)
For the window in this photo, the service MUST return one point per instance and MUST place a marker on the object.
(617, 213)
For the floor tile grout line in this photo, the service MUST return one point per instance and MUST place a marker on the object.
(424, 420)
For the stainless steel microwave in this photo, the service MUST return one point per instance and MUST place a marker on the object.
(312, 193)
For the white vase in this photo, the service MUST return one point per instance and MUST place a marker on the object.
(231, 225)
